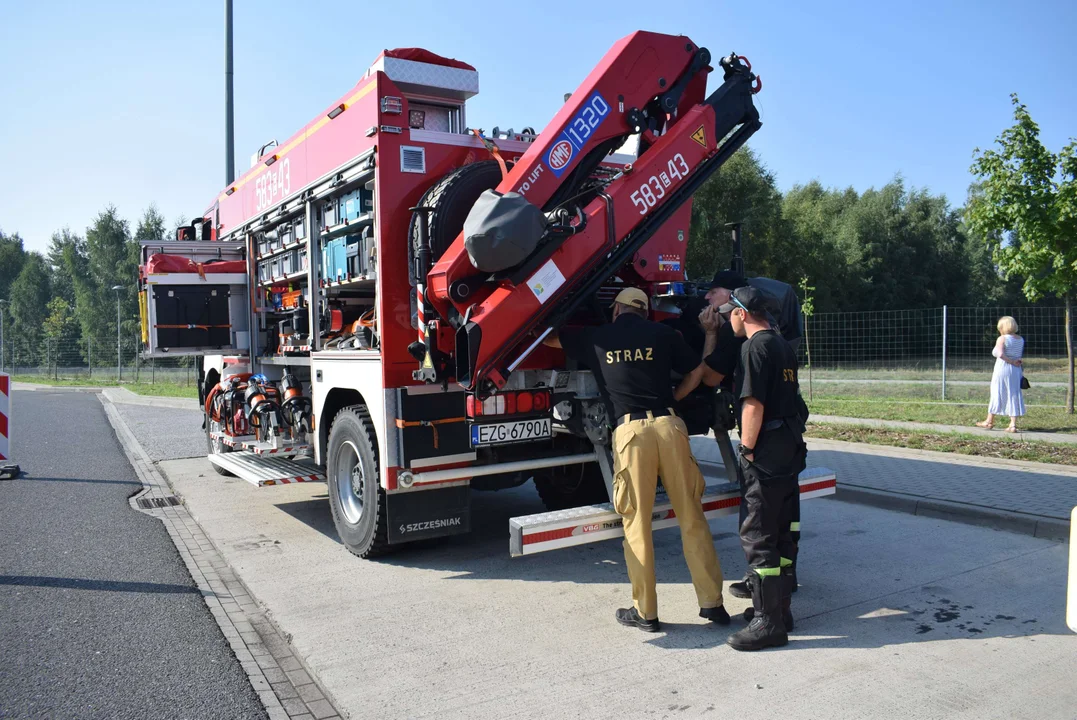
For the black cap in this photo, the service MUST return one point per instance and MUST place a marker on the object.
(728, 279)
(747, 298)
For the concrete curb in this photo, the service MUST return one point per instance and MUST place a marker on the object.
(1034, 525)
(283, 683)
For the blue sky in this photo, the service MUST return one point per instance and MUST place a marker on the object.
(122, 102)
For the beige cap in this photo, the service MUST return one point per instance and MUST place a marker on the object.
(633, 297)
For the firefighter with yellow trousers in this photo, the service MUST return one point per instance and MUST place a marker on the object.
(633, 360)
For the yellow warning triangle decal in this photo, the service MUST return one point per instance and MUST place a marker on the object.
(700, 137)
(426, 361)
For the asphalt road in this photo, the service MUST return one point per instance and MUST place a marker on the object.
(99, 618)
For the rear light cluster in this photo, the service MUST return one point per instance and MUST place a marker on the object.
(511, 403)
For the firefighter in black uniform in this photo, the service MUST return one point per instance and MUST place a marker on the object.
(633, 359)
(772, 454)
(721, 353)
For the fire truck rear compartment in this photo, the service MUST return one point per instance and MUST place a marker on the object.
(398, 374)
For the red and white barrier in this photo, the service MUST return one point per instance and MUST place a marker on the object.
(5, 415)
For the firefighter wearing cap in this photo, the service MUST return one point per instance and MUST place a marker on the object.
(633, 359)
(721, 353)
(772, 454)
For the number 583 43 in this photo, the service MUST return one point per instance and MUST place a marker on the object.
(654, 188)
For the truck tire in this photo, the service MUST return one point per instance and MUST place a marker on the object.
(355, 493)
(571, 486)
(216, 447)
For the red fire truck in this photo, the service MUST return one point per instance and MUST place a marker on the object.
(352, 329)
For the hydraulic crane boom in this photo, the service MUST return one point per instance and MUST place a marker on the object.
(649, 84)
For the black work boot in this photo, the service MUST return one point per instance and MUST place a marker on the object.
(631, 618)
(766, 628)
(717, 615)
(788, 588)
(743, 588)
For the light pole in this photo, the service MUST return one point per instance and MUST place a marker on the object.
(119, 370)
(229, 116)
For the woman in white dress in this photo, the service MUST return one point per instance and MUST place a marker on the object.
(1006, 396)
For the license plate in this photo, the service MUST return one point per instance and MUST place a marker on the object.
(511, 432)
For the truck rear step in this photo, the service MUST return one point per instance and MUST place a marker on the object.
(262, 470)
(250, 442)
(532, 534)
(280, 450)
(232, 440)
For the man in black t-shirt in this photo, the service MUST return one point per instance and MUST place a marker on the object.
(772, 454)
(633, 359)
(721, 352)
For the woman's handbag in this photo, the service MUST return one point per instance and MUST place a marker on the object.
(1024, 382)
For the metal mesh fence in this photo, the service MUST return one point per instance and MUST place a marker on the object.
(103, 360)
(895, 355)
(914, 339)
(932, 354)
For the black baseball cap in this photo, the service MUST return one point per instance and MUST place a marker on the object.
(728, 279)
(747, 298)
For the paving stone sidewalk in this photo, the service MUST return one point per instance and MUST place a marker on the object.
(1034, 498)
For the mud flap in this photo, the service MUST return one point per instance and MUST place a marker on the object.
(428, 513)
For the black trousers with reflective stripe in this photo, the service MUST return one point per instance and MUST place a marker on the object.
(770, 499)
(794, 534)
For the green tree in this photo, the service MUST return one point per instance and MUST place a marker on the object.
(108, 259)
(12, 256)
(885, 248)
(1027, 211)
(29, 298)
(151, 228)
(60, 276)
(813, 213)
(61, 330)
(61, 323)
(742, 191)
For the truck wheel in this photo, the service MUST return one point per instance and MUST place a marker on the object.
(216, 447)
(571, 486)
(355, 493)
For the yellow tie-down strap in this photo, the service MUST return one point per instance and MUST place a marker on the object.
(143, 315)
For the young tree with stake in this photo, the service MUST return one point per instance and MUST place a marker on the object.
(1027, 211)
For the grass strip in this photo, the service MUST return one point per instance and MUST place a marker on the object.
(1004, 448)
(1038, 419)
(161, 389)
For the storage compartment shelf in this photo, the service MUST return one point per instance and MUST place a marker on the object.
(348, 228)
(298, 274)
(354, 282)
(282, 249)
